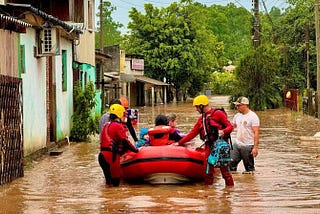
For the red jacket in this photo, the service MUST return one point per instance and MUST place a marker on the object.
(220, 120)
(114, 135)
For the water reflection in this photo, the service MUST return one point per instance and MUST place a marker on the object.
(286, 178)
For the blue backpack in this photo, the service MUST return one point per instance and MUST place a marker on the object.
(219, 154)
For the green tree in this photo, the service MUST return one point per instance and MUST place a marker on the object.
(258, 78)
(231, 25)
(111, 32)
(175, 43)
(222, 83)
(289, 34)
(84, 123)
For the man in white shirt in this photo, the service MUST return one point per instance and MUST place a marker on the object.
(245, 148)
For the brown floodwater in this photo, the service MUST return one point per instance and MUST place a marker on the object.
(286, 179)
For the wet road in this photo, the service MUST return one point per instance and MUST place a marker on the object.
(286, 178)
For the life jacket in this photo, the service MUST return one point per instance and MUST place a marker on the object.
(159, 135)
(105, 142)
(209, 132)
(109, 145)
(212, 128)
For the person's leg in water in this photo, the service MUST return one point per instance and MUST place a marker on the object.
(227, 176)
(106, 169)
(235, 157)
(209, 177)
(115, 182)
(248, 160)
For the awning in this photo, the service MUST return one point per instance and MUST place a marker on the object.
(150, 80)
(111, 76)
(102, 56)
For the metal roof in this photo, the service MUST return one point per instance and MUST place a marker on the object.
(26, 7)
(14, 20)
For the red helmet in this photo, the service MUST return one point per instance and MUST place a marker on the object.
(124, 102)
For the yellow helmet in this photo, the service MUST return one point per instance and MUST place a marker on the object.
(117, 110)
(201, 100)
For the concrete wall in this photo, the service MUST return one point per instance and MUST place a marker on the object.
(64, 99)
(85, 48)
(34, 96)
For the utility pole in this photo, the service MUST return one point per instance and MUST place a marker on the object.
(101, 26)
(316, 16)
(103, 104)
(308, 55)
(309, 103)
(256, 25)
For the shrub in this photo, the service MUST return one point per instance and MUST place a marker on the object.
(84, 123)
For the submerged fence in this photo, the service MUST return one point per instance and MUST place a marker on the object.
(11, 134)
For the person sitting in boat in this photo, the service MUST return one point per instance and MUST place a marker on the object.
(172, 121)
(162, 133)
(114, 143)
(144, 138)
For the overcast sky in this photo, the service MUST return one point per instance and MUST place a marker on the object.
(123, 6)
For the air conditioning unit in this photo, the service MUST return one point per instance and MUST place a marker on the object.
(48, 42)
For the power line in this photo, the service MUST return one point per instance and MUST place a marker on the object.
(130, 3)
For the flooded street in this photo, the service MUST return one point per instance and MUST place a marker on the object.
(286, 179)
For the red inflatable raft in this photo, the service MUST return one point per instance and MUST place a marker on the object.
(163, 165)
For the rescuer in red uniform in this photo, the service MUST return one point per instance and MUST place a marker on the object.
(114, 143)
(219, 126)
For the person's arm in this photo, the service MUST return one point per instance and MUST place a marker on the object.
(131, 129)
(192, 134)
(254, 151)
(124, 139)
(255, 129)
(223, 120)
(234, 121)
(130, 146)
(174, 135)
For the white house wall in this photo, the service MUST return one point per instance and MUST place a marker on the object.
(64, 99)
(34, 96)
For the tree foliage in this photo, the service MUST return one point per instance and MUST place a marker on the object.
(258, 78)
(175, 43)
(288, 33)
(222, 83)
(111, 32)
(231, 25)
(186, 42)
(282, 56)
(84, 123)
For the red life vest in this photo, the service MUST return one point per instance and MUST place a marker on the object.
(105, 142)
(159, 135)
(108, 144)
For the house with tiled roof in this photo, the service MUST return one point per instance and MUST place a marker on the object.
(51, 52)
